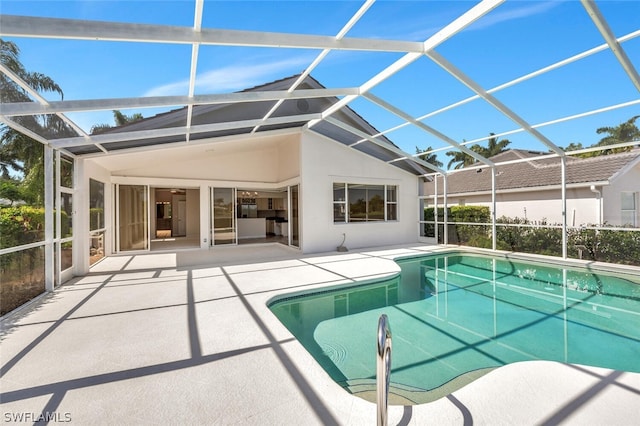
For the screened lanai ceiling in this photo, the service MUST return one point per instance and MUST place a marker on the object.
(385, 78)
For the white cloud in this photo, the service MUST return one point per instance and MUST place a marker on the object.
(413, 27)
(503, 15)
(234, 77)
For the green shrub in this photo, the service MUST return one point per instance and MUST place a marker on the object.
(470, 235)
(620, 247)
(605, 245)
(25, 224)
(475, 214)
(21, 225)
(538, 239)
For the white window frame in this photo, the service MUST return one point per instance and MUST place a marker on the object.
(633, 213)
(62, 275)
(345, 203)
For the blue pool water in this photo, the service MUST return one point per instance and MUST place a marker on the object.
(455, 317)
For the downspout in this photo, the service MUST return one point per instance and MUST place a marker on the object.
(599, 198)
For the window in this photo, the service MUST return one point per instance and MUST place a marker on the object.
(96, 205)
(392, 202)
(66, 172)
(629, 207)
(339, 202)
(364, 203)
(96, 221)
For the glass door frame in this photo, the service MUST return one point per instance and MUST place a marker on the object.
(291, 220)
(234, 220)
(116, 199)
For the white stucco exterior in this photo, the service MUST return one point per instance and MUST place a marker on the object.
(273, 161)
(627, 180)
(583, 205)
(324, 162)
(589, 203)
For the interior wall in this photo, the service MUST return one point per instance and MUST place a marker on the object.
(153, 197)
(162, 196)
(175, 200)
(323, 162)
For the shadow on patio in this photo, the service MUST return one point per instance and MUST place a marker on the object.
(151, 338)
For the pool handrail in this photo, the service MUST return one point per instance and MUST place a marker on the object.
(383, 368)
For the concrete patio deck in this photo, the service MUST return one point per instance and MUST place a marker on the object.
(187, 338)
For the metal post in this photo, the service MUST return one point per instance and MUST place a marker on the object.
(81, 221)
(383, 365)
(48, 219)
(493, 208)
(435, 210)
(446, 216)
(58, 220)
(563, 168)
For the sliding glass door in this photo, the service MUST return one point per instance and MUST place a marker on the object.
(294, 216)
(133, 217)
(223, 216)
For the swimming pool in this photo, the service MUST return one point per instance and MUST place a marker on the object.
(457, 316)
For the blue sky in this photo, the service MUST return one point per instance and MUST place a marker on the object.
(513, 40)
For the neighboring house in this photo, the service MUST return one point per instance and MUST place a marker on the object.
(599, 190)
(309, 186)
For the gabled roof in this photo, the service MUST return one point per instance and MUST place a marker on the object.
(540, 173)
(244, 111)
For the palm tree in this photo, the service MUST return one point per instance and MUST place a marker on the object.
(20, 155)
(494, 147)
(119, 118)
(9, 90)
(624, 132)
(429, 158)
(573, 146)
(460, 159)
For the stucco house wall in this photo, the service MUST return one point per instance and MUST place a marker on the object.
(312, 160)
(288, 158)
(593, 193)
(582, 205)
(629, 181)
(323, 162)
(260, 160)
(265, 162)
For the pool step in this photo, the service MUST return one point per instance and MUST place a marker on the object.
(408, 395)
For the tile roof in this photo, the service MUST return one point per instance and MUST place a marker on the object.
(540, 173)
(240, 111)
